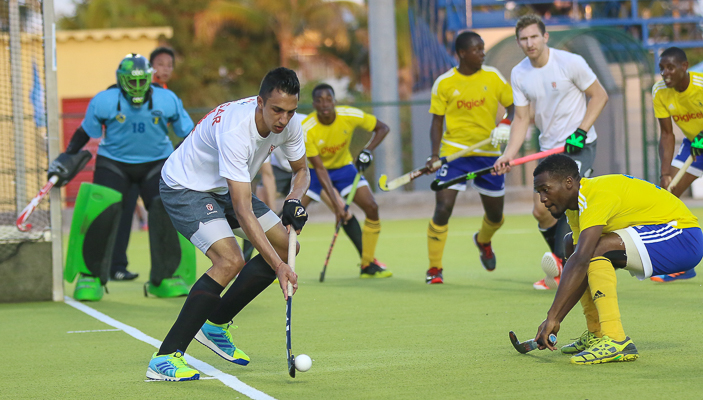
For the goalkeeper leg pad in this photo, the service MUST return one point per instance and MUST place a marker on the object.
(93, 232)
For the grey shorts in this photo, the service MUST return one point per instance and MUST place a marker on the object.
(283, 179)
(584, 159)
(204, 218)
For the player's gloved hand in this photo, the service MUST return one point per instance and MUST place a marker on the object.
(364, 160)
(575, 142)
(294, 214)
(501, 133)
(697, 145)
(66, 166)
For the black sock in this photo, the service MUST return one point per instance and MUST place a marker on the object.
(353, 230)
(256, 276)
(202, 300)
(562, 228)
(247, 250)
(549, 236)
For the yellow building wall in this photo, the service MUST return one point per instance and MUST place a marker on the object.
(87, 59)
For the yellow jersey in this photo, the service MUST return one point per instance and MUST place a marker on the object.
(469, 104)
(331, 142)
(685, 108)
(621, 201)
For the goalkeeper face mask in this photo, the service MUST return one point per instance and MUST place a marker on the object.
(134, 78)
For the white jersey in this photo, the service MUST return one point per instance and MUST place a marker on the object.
(225, 144)
(278, 160)
(556, 92)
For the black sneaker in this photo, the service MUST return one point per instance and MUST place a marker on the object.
(488, 258)
(374, 270)
(123, 276)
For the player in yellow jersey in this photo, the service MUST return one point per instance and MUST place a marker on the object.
(678, 97)
(617, 222)
(467, 97)
(328, 132)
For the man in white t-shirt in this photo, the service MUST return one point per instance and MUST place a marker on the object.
(556, 85)
(206, 190)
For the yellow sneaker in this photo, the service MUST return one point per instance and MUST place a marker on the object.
(606, 350)
(374, 270)
(586, 340)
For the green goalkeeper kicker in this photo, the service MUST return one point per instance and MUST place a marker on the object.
(186, 268)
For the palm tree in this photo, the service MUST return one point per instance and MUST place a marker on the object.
(287, 19)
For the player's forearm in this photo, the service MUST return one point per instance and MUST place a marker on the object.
(572, 284)
(595, 105)
(436, 135)
(667, 143)
(518, 132)
(300, 185)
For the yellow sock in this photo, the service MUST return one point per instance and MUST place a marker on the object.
(369, 239)
(603, 284)
(591, 313)
(436, 239)
(488, 229)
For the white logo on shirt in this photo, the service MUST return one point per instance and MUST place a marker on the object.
(456, 92)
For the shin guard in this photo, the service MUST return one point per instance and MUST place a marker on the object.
(93, 231)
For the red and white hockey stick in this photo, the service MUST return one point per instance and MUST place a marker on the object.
(24, 215)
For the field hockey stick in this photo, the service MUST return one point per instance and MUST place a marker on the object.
(386, 186)
(24, 215)
(681, 173)
(439, 185)
(528, 345)
(292, 241)
(350, 198)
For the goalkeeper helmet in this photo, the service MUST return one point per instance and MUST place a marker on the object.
(134, 77)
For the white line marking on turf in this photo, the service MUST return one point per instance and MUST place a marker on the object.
(96, 330)
(201, 366)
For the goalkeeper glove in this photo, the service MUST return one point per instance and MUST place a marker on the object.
(575, 142)
(501, 133)
(697, 145)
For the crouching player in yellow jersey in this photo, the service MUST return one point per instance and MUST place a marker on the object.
(617, 222)
(328, 132)
(679, 96)
(468, 96)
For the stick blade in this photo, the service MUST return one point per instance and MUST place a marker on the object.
(522, 348)
(291, 366)
(383, 183)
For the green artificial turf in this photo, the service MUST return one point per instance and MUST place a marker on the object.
(394, 338)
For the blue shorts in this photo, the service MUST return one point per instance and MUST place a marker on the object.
(342, 179)
(664, 249)
(696, 168)
(488, 185)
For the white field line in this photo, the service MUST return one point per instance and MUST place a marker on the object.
(201, 366)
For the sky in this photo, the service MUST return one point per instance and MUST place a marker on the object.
(64, 7)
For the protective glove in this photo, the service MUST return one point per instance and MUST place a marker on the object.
(697, 145)
(575, 142)
(294, 214)
(364, 160)
(501, 133)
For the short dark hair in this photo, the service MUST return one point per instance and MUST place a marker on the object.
(463, 41)
(527, 20)
(676, 53)
(161, 50)
(558, 164)
(322, 86)
(282, 79)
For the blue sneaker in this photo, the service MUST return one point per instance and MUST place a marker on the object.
(218, 339)
(171, 367)
(675, 276)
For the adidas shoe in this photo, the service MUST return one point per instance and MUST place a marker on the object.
(374, 270)
(542, 284)
(218, 339)
(485, 251)
(552, 267)
(586, 340)
(434, 276)
(691, 273)
(606, 350)
(88, 288)
(123, 276)
(171, 367)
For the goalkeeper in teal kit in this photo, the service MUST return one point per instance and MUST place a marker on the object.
(132, 118)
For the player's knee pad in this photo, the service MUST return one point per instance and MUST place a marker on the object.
(171, 254)
(94, 226)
